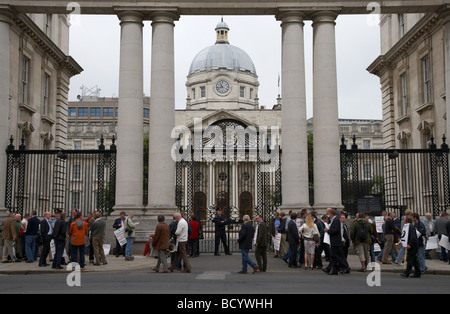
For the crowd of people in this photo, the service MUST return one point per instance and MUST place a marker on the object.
(304, 240)
(56, 238)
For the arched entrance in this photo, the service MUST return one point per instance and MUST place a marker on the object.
(200, 205)
(223, 202)
(246, 204)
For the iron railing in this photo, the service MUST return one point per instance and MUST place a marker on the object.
(395, 179)
(45, 180)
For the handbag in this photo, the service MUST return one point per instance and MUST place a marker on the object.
(316, 237)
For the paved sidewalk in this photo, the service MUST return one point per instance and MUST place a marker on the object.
(206, 262)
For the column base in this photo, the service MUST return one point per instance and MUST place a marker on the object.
(321, 209)
(296, 208)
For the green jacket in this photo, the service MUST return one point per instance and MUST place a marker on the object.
(128, 224)
(354, 229)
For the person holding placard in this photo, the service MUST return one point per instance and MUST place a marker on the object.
(411, 243)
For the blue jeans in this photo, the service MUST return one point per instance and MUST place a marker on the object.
(400, 255)
(128, 249)
(30, 247)
(246, 260)
(421, 258)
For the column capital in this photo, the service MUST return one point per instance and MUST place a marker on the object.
(164, 16)
(129, 16)
(324, 17)
(290, 16)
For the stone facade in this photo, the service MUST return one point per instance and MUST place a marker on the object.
(412, 76)
(36, 72)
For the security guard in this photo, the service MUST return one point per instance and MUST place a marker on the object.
(220, 222)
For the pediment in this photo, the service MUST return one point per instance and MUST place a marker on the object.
(222, 115)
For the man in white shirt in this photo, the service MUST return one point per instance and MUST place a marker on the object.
(182, 237)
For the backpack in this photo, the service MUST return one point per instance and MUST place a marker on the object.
(362, 231)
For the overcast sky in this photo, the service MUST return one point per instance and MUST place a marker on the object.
(95, 40)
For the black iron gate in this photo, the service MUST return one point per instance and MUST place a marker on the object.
(395, 179)
(44, 180)
(242, 186)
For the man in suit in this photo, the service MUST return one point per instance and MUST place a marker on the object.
(338, 263)
(59, 236)
(31, 235)
(412, 247)
(261, 243)
(118, 223)
(245, 244)
(293, 239)
(46, 231)
(220, 235)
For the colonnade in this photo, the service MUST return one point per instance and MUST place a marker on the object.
(295, 187)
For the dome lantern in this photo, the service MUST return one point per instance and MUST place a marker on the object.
(222, 32)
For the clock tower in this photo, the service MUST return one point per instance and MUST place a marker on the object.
(222, 76)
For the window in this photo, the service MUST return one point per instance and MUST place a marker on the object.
(401, 25)
(83, 112)
(48, 25)
(146, 113)
(108, 112)
(404, 95)
(75, 200)
(117, 111)
(193, 93)
(72, 112)
(242, 91)
(25, 76)
(96, 112)
(77, 145)
(251, 93)
(426, 79)
(367, 171)
(76, 172)
(45, 101)
(202, 91)
(366, 144)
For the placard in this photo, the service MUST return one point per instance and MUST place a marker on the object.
(432, 243)
(405, 234)
(326, 238)
(379, 222)
(120, 236)
(444, 242)
(277, 241)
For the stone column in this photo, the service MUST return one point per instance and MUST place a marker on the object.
(293, 113)
(161, 169)
(130, 138)
(5, 20)
(327, 176)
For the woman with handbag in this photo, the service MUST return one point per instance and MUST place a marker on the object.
(311, 236)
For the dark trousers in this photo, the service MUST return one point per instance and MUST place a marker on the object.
(337, 260)
(411, 260)
(193, 247)
(261, 257)
(45, 250)
(221, 236)
(75, 250)
(59, 250)
(293, 256)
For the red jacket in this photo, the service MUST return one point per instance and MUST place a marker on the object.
(195, 228)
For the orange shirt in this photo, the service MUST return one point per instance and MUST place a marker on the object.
(77, 234)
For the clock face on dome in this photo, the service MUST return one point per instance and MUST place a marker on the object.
(222, 87)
